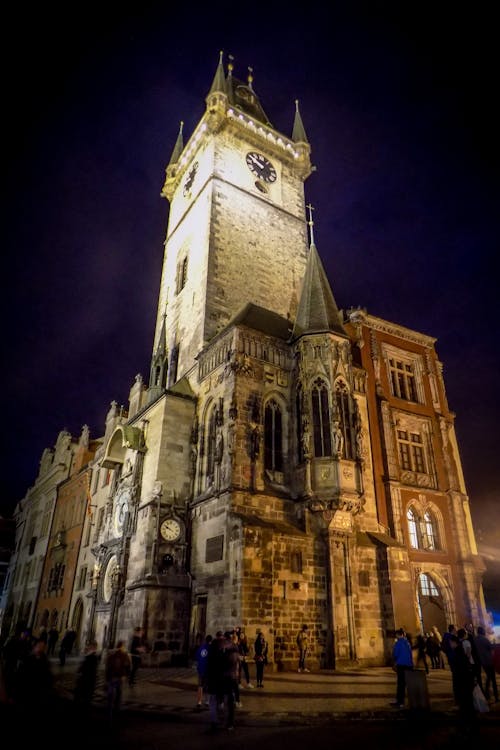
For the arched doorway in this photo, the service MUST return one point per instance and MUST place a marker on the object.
(431, 604)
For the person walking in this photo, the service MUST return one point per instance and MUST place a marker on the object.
(484, 649)
(52, 638)
(117, 667)
(303, 646)
(215, 678)
(403, 661)
(463, 681)
(421, 648)
(260, 656)
(136, 648)
(231, 673)
(86, 678)
(201, 658)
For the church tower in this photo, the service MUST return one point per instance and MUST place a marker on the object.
(290, 462)
(237, 227)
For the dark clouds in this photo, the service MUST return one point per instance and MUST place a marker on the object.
(401, 117)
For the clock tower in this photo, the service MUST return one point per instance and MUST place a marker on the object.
(237, 229)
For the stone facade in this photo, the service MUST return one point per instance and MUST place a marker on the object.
(288, 463)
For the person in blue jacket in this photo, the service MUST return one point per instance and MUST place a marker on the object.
(403, 661)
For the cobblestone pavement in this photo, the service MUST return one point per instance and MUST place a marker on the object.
(286, 698)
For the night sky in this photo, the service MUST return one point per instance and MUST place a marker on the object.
(398, 102)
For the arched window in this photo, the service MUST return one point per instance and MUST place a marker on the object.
(345, 419)
(412, 528)
(431, 541)
(422, 530)
(273, 437)
(321, 419)
(298, 416)
(427, 585)
(210, 445)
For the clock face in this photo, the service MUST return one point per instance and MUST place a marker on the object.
(107, 585)
(190, 179)
(260, 166)
(170, 529)
(121, 509)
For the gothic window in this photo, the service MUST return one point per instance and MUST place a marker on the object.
(172, 369)
(422, 530)
(210, 445)
(412, 528)
(273, 437)
(298, 415)
(429, 531)
(181, 276)
(427, 585)
(411, 451)
(321, 419)
(345, 418)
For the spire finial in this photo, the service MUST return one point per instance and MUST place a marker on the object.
(230, 65)
(310, 223)
(250, 77)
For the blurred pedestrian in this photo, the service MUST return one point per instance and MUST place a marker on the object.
(484, 648)
(464, 681)
(260, 655)
(136, 649)
(303, 646)
(117, 667)
(215, 678)
(421, 649)
(86, 678)
(52, 638)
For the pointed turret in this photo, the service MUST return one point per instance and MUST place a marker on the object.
(317, 311)
(298, 132)
(159, 366)
(219, 83)
(178, 148)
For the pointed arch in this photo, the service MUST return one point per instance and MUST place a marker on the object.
(345, 415)
(274, 434)
(320, 407)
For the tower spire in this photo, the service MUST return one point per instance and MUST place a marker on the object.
(219, 83)
(298, 132)
(178, 148)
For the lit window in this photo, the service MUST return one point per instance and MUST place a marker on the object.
(411, 451)
(321, 419)
(412, 528)
(427, 586)
(345, 417)
(402, 380)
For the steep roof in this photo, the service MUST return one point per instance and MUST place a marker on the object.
(317, 311)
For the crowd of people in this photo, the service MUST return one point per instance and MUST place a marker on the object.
(223, 667)
(469, 655)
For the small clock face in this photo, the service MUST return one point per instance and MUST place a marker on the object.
(260, 166)
(170, 529)
(190, 179)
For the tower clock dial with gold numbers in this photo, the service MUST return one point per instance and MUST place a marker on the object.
(260, 166)
(170, 529)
